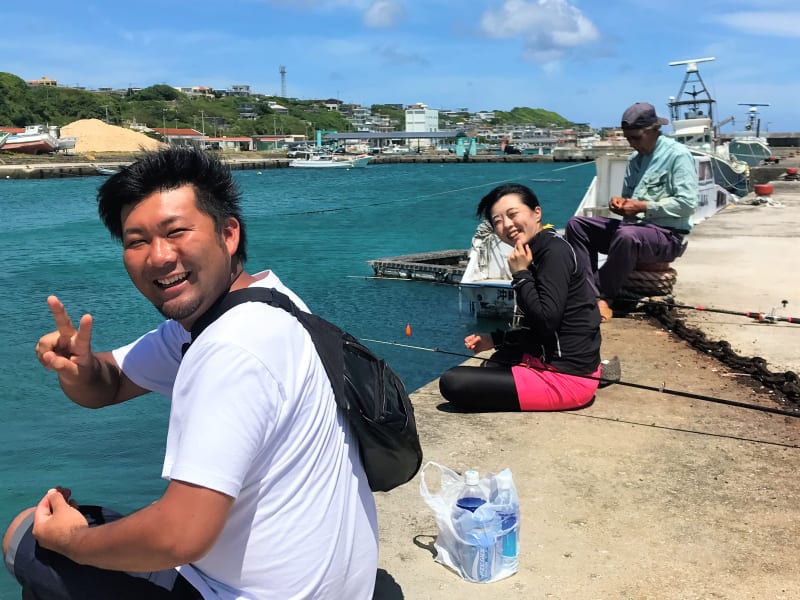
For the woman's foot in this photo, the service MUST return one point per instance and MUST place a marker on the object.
(606, 314)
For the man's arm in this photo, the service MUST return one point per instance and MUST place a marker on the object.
(179, 528)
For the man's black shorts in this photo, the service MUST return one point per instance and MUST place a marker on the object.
(46, 575)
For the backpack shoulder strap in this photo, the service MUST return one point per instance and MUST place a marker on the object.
(326, 336)
(251, 294)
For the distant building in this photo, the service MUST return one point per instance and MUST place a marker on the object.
(278, 108)
(239, 90)
(43, 82)
(420, 118)
(196, 91)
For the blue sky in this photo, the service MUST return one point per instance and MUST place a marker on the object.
(585, 59)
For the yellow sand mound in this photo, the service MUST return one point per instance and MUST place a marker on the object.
(96, 136)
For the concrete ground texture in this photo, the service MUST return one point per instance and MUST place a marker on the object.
(642, 494)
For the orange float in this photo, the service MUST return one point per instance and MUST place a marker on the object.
(764, 189)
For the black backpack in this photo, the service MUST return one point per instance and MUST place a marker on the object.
(366, 389)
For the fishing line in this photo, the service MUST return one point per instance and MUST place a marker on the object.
(661, 389)
(753, 314)
(583, 164)
(414, 199)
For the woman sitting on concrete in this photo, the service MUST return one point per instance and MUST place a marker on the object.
(542, 365)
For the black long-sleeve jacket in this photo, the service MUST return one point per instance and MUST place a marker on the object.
(561, 323)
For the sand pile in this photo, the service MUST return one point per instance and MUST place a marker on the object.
(96, 136)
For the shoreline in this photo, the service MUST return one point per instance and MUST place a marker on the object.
(37, 167)
(59, 167)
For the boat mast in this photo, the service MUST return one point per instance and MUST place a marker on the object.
(697, 98)
(753, 122)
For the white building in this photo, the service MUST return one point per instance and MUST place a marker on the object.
(423, 119)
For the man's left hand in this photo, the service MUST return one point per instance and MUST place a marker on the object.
(56, 520)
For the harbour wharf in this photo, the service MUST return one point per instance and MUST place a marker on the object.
(441, 266)
(643, 494)
(60, 166)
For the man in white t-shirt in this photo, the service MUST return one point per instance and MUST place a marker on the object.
(266, 497)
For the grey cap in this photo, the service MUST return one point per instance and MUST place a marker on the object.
(641, 115)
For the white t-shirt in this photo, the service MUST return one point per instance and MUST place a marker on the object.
(253, 416)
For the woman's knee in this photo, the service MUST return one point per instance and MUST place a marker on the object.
(13, 527)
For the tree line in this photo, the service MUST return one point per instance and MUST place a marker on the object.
(163, 106)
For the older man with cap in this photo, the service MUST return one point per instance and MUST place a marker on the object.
(659, 195)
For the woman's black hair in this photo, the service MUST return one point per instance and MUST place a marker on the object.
(488, 201)
(215, 191)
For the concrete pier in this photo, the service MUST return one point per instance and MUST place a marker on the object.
(642, 495)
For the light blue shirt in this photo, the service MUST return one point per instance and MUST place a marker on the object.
(667, 180)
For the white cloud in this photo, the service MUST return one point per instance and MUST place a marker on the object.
(782, 24)
(549, 28)
(384, 13)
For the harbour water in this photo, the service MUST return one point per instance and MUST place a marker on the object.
(315, 229)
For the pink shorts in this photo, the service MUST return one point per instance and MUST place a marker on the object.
(541, 388)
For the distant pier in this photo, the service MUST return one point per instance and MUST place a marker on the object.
(442, 266)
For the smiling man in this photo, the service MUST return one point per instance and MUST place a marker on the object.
(659, 195)
(266, 495)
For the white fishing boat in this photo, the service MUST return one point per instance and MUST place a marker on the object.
(36, 139)
(749, 145)
(692, 115)
(3, 136)
(101, 170)
(486, 283)
(330, 161)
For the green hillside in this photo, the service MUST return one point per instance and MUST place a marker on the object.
(163, 106)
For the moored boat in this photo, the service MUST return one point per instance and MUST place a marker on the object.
(330, 161)
(692, 115)
(36, 139)
(749, 145)
(107, 170)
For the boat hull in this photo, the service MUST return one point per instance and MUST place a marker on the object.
(753, 152)
(324, 162)
(29, 144)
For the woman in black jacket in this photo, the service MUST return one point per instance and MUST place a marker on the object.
(541, 365)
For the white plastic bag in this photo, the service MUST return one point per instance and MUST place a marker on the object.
(481, 546)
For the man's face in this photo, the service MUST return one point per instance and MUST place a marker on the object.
(642, 140)
(173, 254)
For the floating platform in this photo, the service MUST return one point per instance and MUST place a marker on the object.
(441, 266)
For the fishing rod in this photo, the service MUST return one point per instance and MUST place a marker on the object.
(661, 389)
(769, 317)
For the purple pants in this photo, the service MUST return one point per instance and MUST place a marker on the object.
(624, 243)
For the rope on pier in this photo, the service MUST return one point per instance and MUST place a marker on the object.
(787, 383)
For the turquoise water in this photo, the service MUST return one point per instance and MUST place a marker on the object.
(315, 228)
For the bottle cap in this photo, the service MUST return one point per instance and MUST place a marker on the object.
(503, 479)
(472, 477)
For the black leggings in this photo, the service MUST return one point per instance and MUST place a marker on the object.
(480, 388)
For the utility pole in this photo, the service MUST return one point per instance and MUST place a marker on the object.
(106, 107)
(164, 122)
(203, 120)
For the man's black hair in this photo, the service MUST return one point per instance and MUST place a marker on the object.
(216, 193)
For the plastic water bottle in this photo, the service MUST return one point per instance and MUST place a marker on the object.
(477, 525)
(507, 504)
(472, 494)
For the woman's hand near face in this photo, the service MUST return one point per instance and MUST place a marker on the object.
(521, 257)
